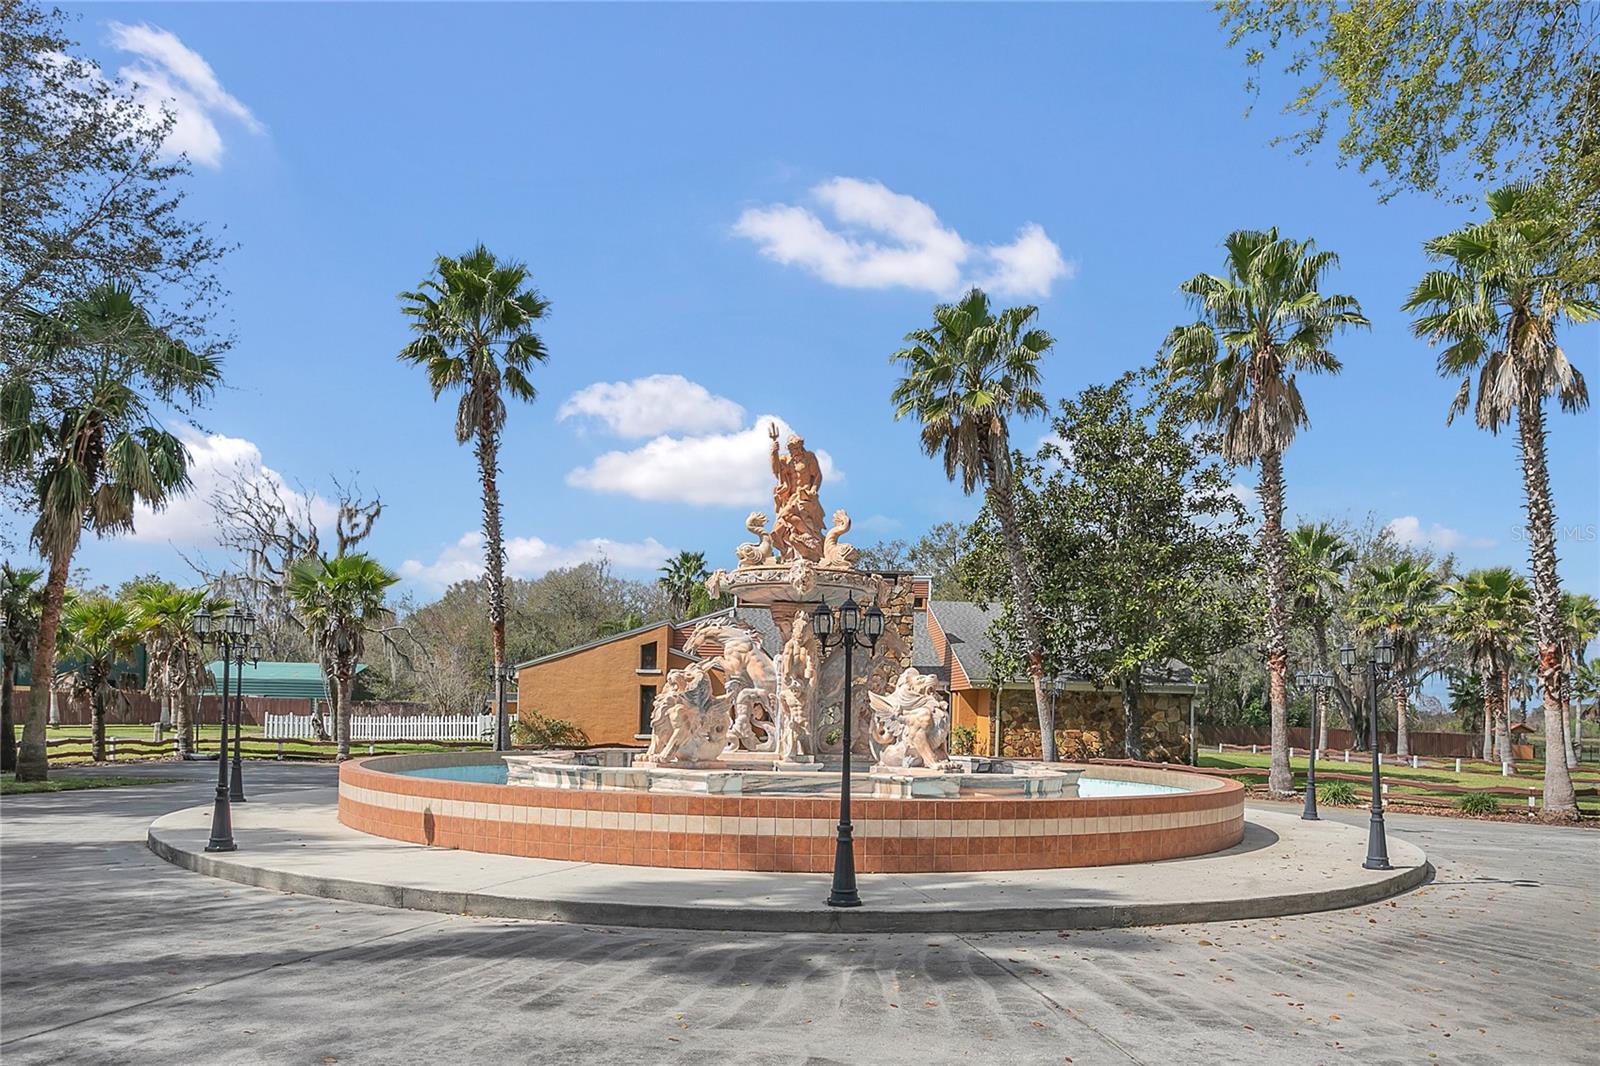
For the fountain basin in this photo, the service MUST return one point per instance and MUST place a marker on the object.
(670, 824)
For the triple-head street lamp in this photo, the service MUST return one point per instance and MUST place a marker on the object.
(230, 631)
(1378, 666)
(1317, 682)
(855, 630)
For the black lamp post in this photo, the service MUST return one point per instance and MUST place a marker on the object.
(246, 628)
(1378, 665)
(1316, 682)
(500, 677)
(221, 814)
(844, 892)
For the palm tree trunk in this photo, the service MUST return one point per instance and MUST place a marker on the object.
(1559, 799)
(182, 721)
(97, 722)
(8, 732)
(32, 764)
(1502, 722)
(1002, 503)
(1280, 780)
(494, 553)
(1491, 685)
(1402, 742)
(342, 713)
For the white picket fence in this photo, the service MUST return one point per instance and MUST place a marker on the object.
(387, 726)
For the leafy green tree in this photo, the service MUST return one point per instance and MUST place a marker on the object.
(683, 575)
(90, 194)
(340, 600)
(95, 450)
(1466, 700)
(1400, 601)
(1320, 563)
(939, 555)
(1486, 614)
(473, 321)
(1138, 547)
(1507, 283)
(20, 600)
(965, 379)
(1261, 323)
(1433, 91)
(96, 631)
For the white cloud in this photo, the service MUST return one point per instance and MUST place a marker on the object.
(214, 460)
(1407, 531)
(921, 252)
(650, 406)
(728, 469)
(166, 73)
(530, 557)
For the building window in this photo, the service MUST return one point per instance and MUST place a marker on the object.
(647, 656)
(647, 699)
(918, 603)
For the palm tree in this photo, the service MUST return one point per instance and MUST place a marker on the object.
(91, 455)
(1261, 323)
(473, 321)
(1508, 281)
(965, 378)
(164, 617)
(1580, 624)
(1486, 614)
(20, 599)
(680, 577)
(339, 601)
(96, 632)
(1320, 560)
(1400, 599)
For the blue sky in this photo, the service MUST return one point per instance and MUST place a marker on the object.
(691, 187)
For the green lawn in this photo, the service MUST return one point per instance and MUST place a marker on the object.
(10, 786)
(1404, 781)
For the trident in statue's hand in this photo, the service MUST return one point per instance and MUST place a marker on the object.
(772, 431)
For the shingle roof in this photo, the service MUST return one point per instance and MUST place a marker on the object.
(966, 627)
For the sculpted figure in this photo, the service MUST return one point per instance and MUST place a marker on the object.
(745, 663)
(688, 725)
(760, 553)
(911, 724)
(797, 523)
(752, 728)
(801, 578)
(834, 554)
(798, 698)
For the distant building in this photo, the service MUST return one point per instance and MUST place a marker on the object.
(292, 682)
(608, 686)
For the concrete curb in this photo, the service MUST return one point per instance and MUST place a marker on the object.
(822, 920)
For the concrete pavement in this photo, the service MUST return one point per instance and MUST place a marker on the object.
(109, 955)
(1283, 866)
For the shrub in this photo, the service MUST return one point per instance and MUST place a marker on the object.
(1337, 794)
(534, 730)
(1477, 803)
(962, 740)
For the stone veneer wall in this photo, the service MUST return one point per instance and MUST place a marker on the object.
(1164, 718)
(789, 834)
